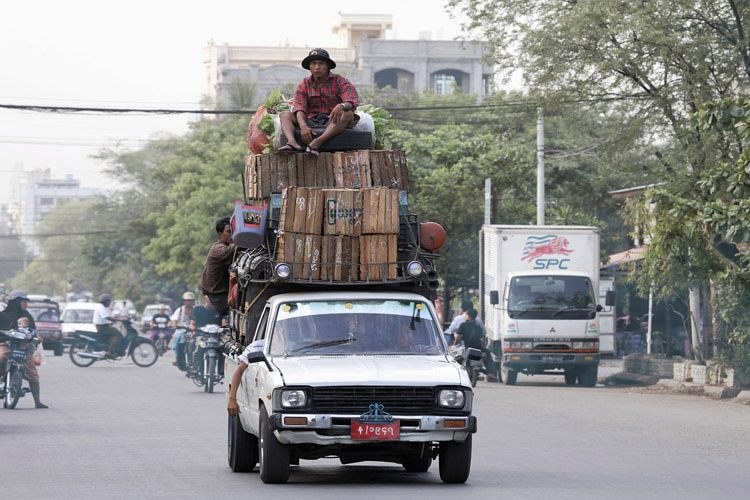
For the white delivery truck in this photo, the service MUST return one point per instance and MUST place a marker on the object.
(539, 287)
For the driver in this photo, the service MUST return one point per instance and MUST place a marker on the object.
(103, 319)
(159, 320)
(12, 317)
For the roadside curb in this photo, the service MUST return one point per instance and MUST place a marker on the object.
(743, 397)
(626, 378)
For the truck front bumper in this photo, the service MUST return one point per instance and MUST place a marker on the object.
(540, 362)
(336, 429)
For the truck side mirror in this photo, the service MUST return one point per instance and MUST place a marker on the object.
(599, 308)
(494, 297)
(609, 298)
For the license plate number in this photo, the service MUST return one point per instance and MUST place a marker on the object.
(377, 431)
(554, 359)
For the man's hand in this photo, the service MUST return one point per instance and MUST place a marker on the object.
(306, 133)
(232, 407)
(336, 113)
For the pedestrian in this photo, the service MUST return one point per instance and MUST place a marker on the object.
(215, 278)
(13, 316)
(323, 100)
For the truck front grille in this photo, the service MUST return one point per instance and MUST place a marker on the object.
(551, 347)
(357, 400)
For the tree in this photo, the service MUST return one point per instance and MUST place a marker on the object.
(450, 156)
(661, 60)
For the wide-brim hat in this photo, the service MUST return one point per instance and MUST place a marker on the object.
(318, 55)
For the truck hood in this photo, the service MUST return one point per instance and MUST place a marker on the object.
(409, 370)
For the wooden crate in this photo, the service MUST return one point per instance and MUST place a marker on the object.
(271, 173)
(380, 207)
(339, 258)
(378, 255)
(343, 212)
(311, 258)
(302, 210)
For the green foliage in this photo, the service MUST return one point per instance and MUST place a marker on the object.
(12, 256)
(266, 125)
(276, 102)
(61, 264)
(384, 128)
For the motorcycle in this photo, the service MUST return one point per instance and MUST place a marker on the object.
(161, 335)
(204, 358)
(21, 342)
(88, 348)
(471, 359)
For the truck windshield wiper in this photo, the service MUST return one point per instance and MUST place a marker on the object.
(317, 345)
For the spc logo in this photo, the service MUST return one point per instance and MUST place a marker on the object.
(537, 248)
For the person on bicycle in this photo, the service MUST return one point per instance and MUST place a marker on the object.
(11, 317)
(103, 319)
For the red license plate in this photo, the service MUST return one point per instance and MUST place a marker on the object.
(375, 431)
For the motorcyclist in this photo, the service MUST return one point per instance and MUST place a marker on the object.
(12, 317)
(202, 316)
(103, 319)
(181, 319)
(472, 335)
(159, 320)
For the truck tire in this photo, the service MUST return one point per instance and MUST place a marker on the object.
(274, 456)
(509, 376)
(587, 376)
(348, 140)
(571, 374)
(242, 447)
(455, 461)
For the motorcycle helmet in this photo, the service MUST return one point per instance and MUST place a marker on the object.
(188, 296)
(18, 295)
(105, 297)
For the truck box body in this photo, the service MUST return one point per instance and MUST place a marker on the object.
(547, 281)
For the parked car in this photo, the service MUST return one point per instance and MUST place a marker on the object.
(46, 314)
(78, 316)
(148, 313)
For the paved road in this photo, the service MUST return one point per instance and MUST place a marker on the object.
(119, 431)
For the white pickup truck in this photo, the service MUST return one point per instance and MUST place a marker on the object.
(360, 375)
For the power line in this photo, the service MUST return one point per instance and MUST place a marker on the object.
(50, 235)
(167, 111)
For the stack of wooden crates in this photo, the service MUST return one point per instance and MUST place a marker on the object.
(339, 216)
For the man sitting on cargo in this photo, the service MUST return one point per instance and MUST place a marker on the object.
(323, 100)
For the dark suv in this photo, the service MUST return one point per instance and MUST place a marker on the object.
(46, 313)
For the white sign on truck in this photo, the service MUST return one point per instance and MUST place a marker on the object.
(539, 287)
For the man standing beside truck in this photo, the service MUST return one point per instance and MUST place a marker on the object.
(323, 100)
(215, 278)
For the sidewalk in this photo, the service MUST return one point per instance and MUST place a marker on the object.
(652, 374)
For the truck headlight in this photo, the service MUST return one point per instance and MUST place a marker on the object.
(451, 398)
(283, 270)
(293, 398)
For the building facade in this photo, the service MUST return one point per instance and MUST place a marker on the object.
(368, 59)
(34, 195)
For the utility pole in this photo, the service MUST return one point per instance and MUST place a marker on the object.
(539, 167)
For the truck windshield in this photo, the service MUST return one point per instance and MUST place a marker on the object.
(544, 297)
(313, 328)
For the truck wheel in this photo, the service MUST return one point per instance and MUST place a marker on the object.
(571, 374)
(587, 376)
(417, 464)
(274, 456)
(509, 376)
(242, 447)
(455, 461)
